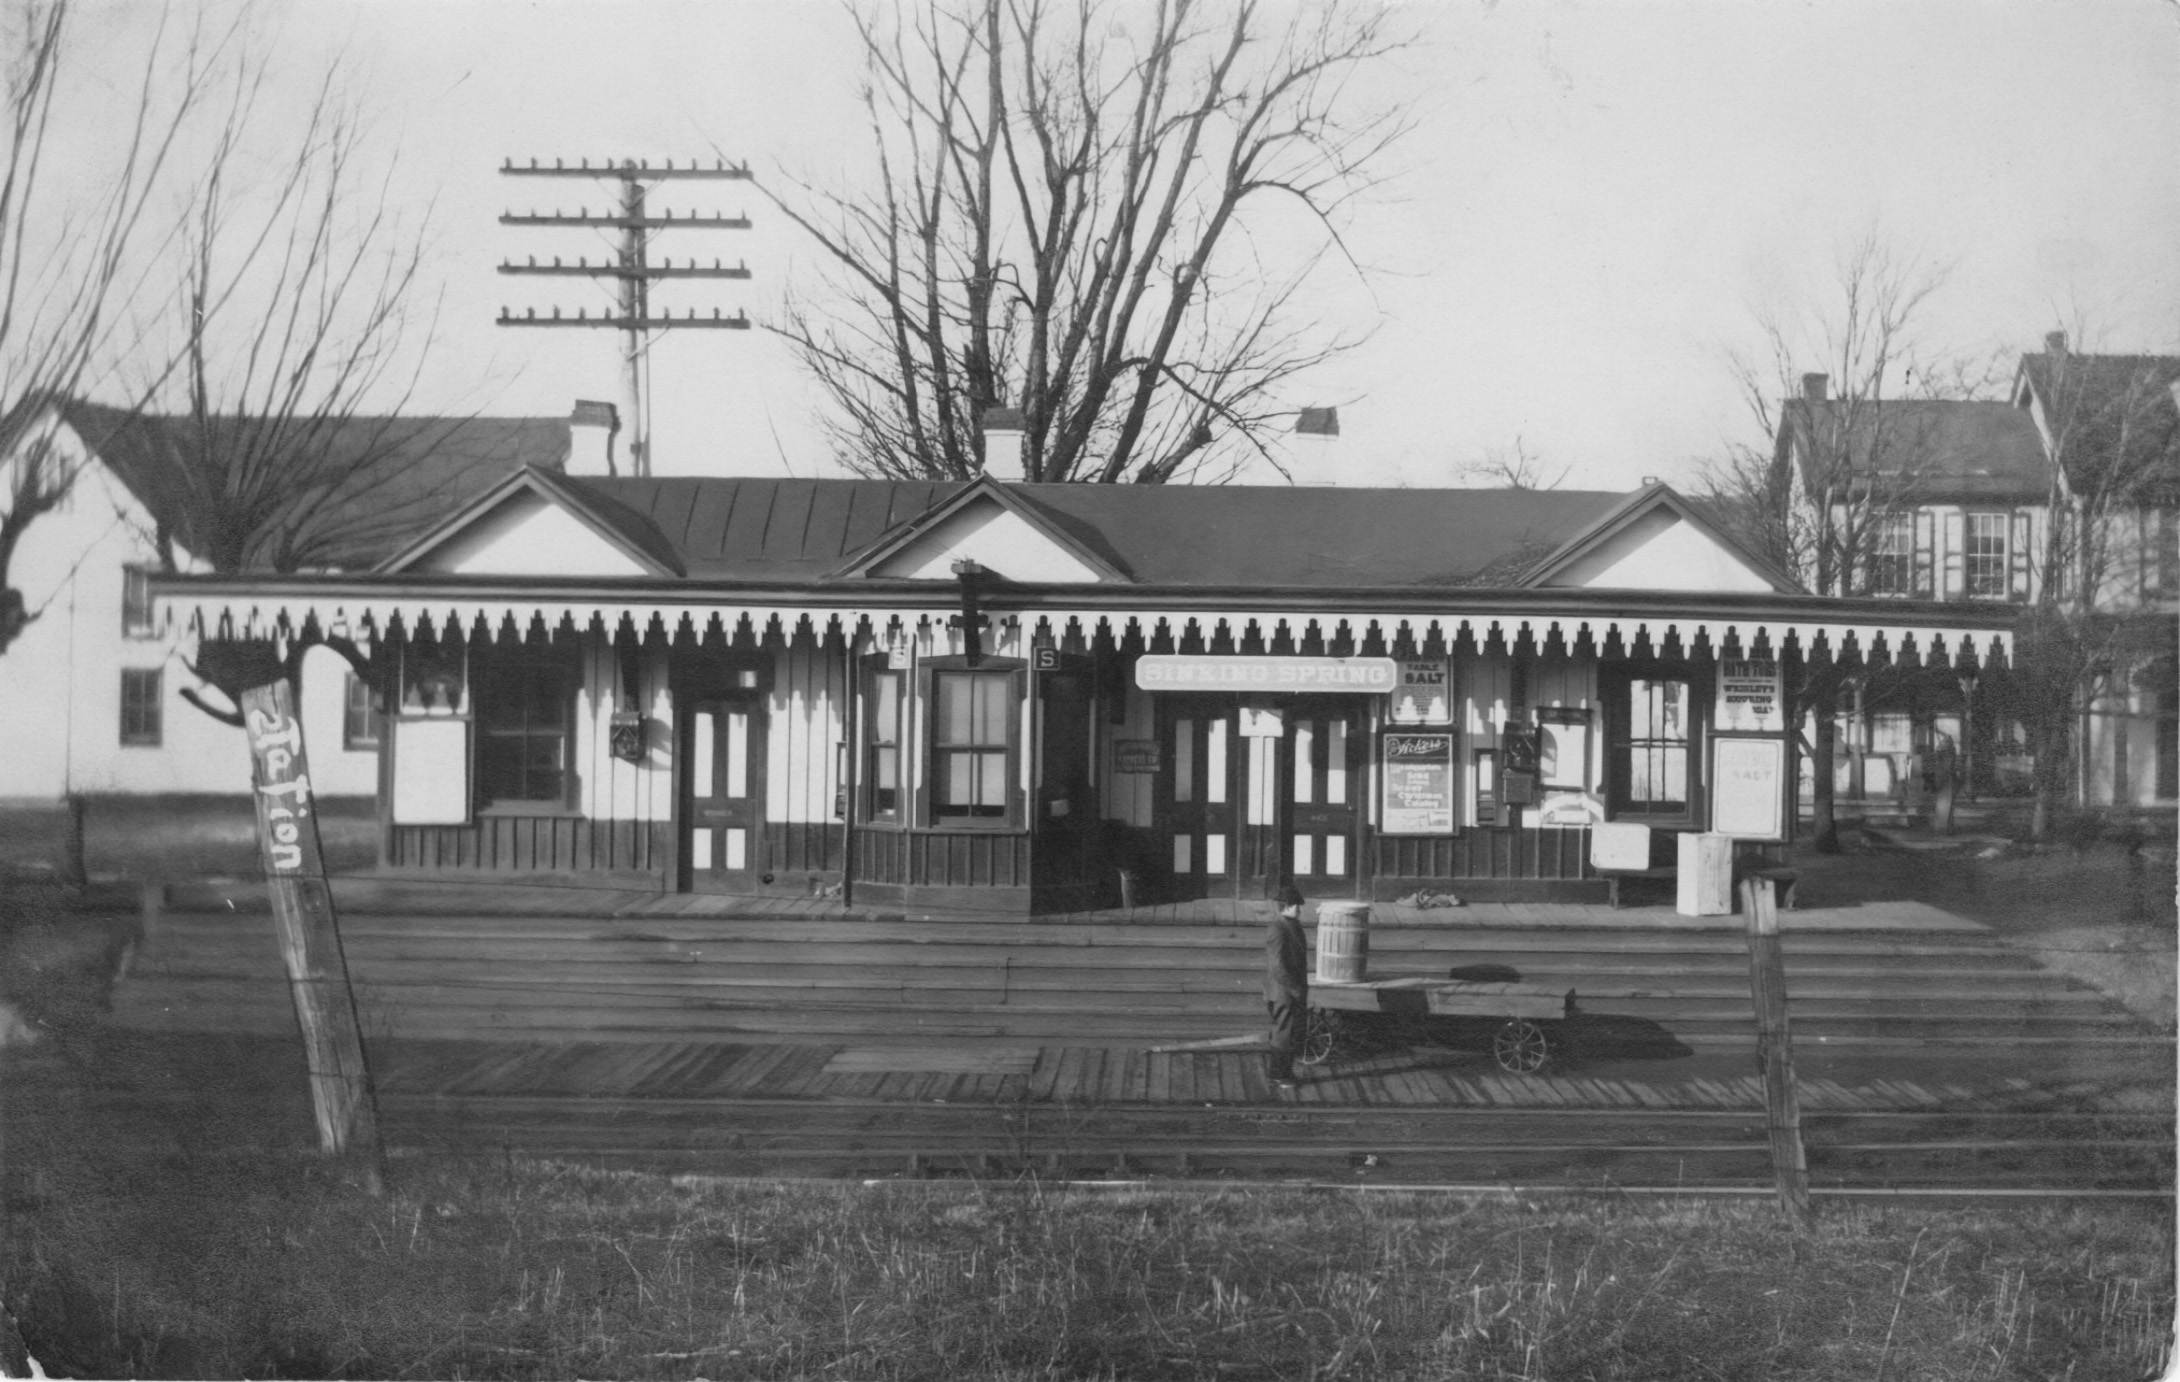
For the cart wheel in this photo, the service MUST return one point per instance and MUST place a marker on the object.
(1319, 1035)
(1520, 1046)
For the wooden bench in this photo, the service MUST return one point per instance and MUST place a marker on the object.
(1784, 877)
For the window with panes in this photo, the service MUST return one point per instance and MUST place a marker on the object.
(136, 602)
(1651, 740)
(1892, 556)
(972, 766)
(1983, 556)
(884, 775)
(524, 704)
(141, 723)
(359, 715)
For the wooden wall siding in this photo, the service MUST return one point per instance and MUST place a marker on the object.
(1484, 684)
(1128, 796)
(614, 789)
(802, 740)
(937, 859)
(802, 847)
(1509, 852)
(531, 844)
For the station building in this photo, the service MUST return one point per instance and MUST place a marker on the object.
(1024, 699)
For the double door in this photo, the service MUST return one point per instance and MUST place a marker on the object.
(1252, 792)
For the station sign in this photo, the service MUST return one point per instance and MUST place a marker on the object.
(1367, 676)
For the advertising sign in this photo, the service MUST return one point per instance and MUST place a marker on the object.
(1748, 698)
(1748, 788)
(1418, 777)
(1370, 676)
(1135, 755)
(1424, 695)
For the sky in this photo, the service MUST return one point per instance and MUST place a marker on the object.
(1565, 250)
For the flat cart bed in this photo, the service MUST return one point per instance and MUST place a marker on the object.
(1529, 1013)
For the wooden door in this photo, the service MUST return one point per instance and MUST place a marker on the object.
(723, 827)
(1196, 805)
(1321, 780)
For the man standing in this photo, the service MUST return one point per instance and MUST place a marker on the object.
(1286, 986)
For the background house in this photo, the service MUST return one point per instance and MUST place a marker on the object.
(94, 684)
(2059, 500)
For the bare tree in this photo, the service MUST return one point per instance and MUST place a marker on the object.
(74, 273)
(2111, 425)
(1072, 215)
(1511, 467)
(1845, 451)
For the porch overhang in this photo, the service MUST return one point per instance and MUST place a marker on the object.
(367, 608)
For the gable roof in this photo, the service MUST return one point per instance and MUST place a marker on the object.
(2095, 401)
(1233, 536)
(1935, 449)
(398, 473)
(1069, 535)
(630, 532)
(1635, 506)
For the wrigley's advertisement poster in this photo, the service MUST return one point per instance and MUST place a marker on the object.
(1748, 698)
(1418, 777)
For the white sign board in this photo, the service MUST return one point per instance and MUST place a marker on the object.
(431, 770)
(1372, 676)
(1424, 695)
(1748, 788)
(1748, 698)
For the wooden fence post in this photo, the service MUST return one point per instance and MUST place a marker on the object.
(310, 942)
(1775, 1049)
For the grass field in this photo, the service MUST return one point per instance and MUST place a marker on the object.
(163, 1218)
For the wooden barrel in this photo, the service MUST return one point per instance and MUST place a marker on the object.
(1343, 941)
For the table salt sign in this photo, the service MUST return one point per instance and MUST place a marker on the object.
(1135, 755)
(1748, 697)
(1418, 777)
(1748, 788)
(1424, 695)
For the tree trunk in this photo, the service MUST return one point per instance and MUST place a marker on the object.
(1823, 770)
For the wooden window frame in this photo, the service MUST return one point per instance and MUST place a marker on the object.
(1615, 691)
(2002, 589)
(877, 670)
(362, 726)
(1016, 672)
(136, 615)
(143, 718)
(487, 669)
(1899, 530)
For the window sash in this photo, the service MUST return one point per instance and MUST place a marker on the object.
(359, 715)
(140, 706)
(136, 602)
(524, 713)
(1651, 734)
(882, 784)
(1892, 558)
(1983, 556)
(971, 747)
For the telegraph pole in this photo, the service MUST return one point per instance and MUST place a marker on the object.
(634, 269)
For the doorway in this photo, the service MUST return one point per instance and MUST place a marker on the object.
(723, 818)
(1251, 791)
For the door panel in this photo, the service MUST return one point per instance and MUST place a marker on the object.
(1194, 810)
(1321, 763)
(724, 746)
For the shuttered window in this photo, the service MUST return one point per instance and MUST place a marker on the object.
(1984, 568)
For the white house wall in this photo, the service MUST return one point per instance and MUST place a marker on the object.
(1659, 551)
(61, 679)
(994, 537)
(528, 535)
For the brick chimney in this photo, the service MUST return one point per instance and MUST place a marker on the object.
(1815, 387)
(591, 430)
(2055, 343)
(1003, 443)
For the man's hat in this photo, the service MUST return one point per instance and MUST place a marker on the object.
(1290, 896)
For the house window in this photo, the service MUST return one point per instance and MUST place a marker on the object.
(972, 718)
(140, 719)
(1650, 728)
(1983, 560)
(2161, 563)
(525, 711)
(882, 784)
(359, 715)
(1892, 556)
(136, 602)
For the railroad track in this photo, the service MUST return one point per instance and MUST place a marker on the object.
(1574, 1147)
